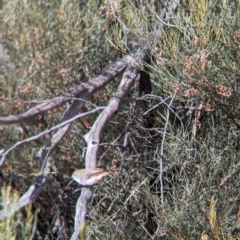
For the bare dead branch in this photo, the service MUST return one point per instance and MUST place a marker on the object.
(55, 139)
(81, 214)
(86, 88)
(31, 195)
(93, 139)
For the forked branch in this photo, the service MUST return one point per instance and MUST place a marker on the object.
(93, 140)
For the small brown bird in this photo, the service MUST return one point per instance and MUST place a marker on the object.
(90, 176)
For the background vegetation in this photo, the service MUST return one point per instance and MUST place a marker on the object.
(49, 46)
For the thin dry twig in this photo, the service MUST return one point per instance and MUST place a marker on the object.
(83, 90)
(4, 152)
(161, 152)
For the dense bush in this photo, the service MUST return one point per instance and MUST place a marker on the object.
(181, 174)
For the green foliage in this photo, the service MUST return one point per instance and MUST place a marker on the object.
(16, 226)
(197, 56)
(49, 46)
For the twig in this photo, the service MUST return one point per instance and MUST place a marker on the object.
(130, 121)
(85, 88)
(163, 101)
(111, 145)
(124, 151)
(162, 148)
(154, 107)
(214, 131)
(4, 152)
